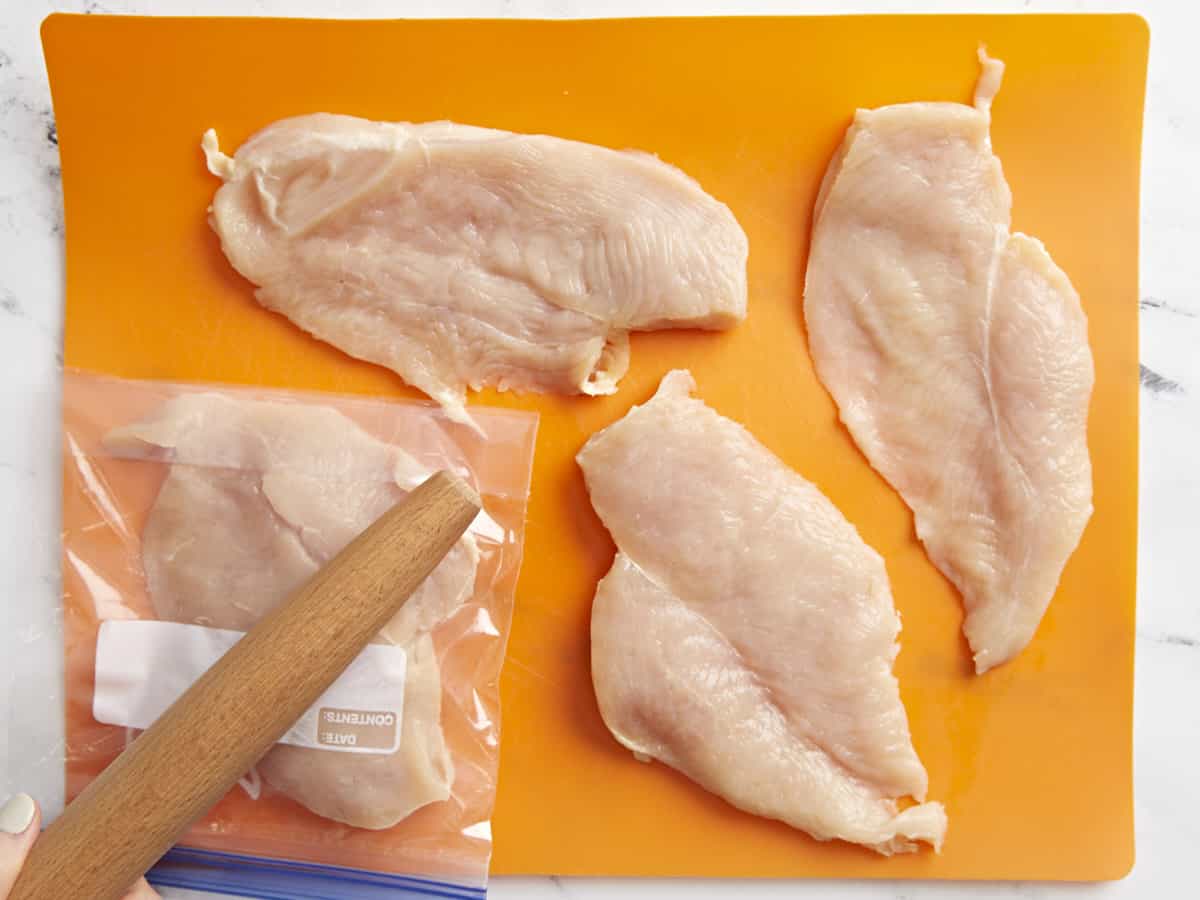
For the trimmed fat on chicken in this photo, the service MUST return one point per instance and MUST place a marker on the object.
(463, 257)
(258, 497)
(957, 354)
(745, 634)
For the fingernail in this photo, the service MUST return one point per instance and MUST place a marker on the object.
(17, 814)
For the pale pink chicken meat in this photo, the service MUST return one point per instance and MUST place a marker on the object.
(463, 257)
(745, 634)
(957, 354)
(258, 497)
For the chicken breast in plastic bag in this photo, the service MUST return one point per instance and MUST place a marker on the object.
(463, 257)
(957, 353)
(258, 497)
(745, 634)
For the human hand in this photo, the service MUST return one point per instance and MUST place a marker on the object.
(20, 825)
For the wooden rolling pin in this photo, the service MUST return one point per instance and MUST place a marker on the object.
(184, 763)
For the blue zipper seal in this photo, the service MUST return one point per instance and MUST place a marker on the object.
(282, 879)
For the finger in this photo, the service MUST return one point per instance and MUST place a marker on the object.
(20, 822)
(142, 891)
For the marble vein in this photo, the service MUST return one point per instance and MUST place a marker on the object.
(1156, 383)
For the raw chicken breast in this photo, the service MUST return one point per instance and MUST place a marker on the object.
(461, 256)
(258, 497)
(745, 634)
(957, 354)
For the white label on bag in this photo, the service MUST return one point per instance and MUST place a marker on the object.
(144, 665)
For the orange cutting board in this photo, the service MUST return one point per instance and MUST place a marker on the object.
(1032, 760)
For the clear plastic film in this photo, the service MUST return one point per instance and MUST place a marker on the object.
(205, 506)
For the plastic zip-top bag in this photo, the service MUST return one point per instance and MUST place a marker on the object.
(189, 511)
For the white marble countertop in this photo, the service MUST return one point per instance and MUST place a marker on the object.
(1167, 713)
